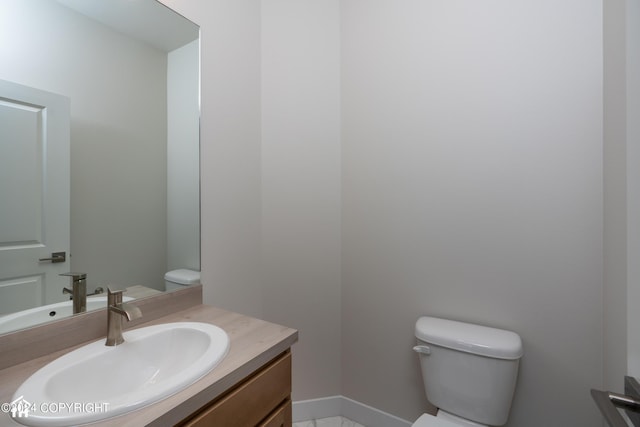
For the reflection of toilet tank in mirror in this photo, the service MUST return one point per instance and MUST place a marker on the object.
(180, 279)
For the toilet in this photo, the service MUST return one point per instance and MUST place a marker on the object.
(179, 279)
(469, 372)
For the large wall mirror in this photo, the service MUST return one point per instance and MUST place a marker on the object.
(129, 72)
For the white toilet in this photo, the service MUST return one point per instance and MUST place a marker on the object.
(178, 279)
(469, 372)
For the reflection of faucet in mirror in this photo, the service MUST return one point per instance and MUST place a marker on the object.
(116, 310)
(78, 291)
(98, 291)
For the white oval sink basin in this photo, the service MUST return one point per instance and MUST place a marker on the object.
(38, 315)
(96, 382)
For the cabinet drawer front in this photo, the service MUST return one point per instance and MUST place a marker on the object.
(281, 417)
(252, 401)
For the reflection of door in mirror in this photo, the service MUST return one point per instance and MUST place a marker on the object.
(124, 65)
(34, 190)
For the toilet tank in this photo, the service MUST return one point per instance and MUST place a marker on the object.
(468, 370)
(179, 279)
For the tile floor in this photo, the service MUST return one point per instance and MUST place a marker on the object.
(328, 422)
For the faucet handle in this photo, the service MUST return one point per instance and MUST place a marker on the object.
(114, 296)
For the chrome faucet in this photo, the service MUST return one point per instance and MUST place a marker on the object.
(78, 291)
(116, 310)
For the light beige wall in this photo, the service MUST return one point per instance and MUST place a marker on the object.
(271, 171)
(301, 185)
(230, 150)
(472, 189)
(471, 182)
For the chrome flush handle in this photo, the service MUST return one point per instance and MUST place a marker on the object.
(422, 349)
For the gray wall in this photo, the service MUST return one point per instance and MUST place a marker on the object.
(183, 157)
(615, 196)
(632, 26)
(621, 191)
(471, 181)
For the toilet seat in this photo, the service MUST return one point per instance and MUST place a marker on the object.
(427, 420)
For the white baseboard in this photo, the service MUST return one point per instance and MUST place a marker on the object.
(334, 406)
(313, 409)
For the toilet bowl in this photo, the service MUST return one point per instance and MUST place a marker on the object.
(462, 364)
(181, 278)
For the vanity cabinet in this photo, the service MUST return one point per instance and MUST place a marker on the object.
(261, 400)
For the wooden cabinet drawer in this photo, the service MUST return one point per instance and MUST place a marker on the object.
(248, 404)
(281, 417)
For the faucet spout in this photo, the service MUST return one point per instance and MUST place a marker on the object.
(130, 311)
(116, 311)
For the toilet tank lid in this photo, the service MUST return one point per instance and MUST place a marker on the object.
(183, 276)
(469, 338)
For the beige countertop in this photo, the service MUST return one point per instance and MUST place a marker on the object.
(253, 343)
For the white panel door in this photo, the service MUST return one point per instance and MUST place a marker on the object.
(34, 195)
